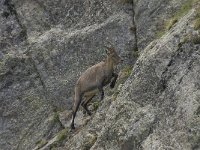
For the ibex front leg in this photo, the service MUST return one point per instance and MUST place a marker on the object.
(113, 81)
(101, 92)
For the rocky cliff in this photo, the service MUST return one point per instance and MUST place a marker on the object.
(45, 45)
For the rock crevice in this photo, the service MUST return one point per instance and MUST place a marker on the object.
(12, 11)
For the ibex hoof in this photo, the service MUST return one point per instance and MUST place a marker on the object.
(89, 113)
(72, 126)
(112, 86)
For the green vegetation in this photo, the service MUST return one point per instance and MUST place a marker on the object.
(170, 22)
(64, 82)
(197, 24)
(90, 142)
(186, 39)
(123, 75)
(160, 33)
(62, 135)
(197, 19)
(95, 105)
(34, 101)
(127, 71)
(114, 96)
(56, 117)
(196, 39)
(197, 11)
(184, 9)
(41, 143)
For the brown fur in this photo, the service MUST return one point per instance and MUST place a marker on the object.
(93, 80)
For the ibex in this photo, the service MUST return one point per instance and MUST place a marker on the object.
(95, 78)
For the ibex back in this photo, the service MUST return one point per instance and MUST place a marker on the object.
(95, 78)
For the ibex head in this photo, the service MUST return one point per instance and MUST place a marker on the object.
(113, 55)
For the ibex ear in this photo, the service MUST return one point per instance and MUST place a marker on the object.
(108, 51)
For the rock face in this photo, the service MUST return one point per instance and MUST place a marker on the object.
(45, 45)
(158, 106)
(150, 17)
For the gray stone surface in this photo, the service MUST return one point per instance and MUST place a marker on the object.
(45, 45)
(150, 18)
(157, 107)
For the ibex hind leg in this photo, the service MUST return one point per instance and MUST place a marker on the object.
(75, 109)
(86, 109)
(84, 104)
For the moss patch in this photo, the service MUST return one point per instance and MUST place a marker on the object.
(34, 101)
(64, 82)
(197, 11)
(95, 105)
(186, 39)
(197, 18)
(114, 96)
(41, 143)
(196, 39)
(62, 135)
(168, 24)
(127, 71)
(90, 142)
(56, 117)
(160, 33)
(124, 74)
(197, 24)
(185, 8)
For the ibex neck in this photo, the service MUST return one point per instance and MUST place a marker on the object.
(109, 63)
